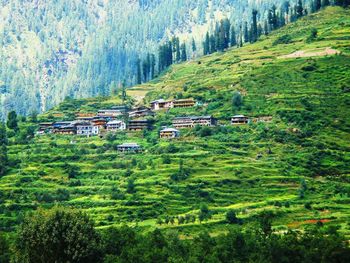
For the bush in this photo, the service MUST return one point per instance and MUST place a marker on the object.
(285, 39)
(231, 217)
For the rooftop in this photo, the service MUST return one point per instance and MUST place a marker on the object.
(239, 116)
(169, 130)
(131, 144)
(114, 122)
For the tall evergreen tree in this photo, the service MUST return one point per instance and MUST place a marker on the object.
(221, 37)
(226, 29)
(317, 5)
(138, 72)
(194, 47)
(12, 122)
(272, 18)
(325, 3)
(183, 52)
(266, 28)
(254, 26)
(152, 65)
(206, 44)
(246, 32)
(176, 49)
(146, 64)
(212, 44)
(233, 38)
(299, 9)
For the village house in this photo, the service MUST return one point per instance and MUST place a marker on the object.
(140, 112)
(169, 133)
(239, 120)
(80, 115)
(116, 125)
(112, 113)
(45, 127)
(121, 108)
(129, 147)
(100, 122)
(139, 125)
(86, 128)
(167, 104)
(64, 128)
(161, 104)
(183, 103)
(263, 119)
(192, 121)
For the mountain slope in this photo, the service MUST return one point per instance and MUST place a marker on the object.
(55, 49)
(295, 166)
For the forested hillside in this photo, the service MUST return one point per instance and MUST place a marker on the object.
(54, 49)
(294, 166)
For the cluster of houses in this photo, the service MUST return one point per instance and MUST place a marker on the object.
(113, 120)
(106, 120)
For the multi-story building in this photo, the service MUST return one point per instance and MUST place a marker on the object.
(129, 147)
(239, 120)
(86, 128)
(139, 125)
(116, 125)
(169, 133)
(192, 121)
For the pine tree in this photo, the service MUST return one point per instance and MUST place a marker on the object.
(221, 37)
(299, 9)
(183, 52)
(206, 44)
(272, 18)
(325, 3)
(12, 122)
(317, 5)
(146, 68)
(194, 47)
(176, 49)
(266, 28)
(254, 26)
(226, 28)
(138, 71)
(260, 30)
(233, 40)
(152, 65)
(240, 37)
(212, 44)
(246, 32)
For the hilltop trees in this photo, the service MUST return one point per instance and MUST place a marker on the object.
(58, 234)
(343, 3)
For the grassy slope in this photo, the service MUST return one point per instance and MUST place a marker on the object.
(309, 138)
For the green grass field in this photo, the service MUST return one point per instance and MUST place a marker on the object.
(297, 165)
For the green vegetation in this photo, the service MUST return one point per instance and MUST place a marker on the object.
(69, 236)
(295, 166)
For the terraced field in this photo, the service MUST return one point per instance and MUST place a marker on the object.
(297, 165)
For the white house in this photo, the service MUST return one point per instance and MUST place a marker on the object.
(169, 133)
(86, 128)
(116, 125)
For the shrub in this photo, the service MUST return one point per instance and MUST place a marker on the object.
(231, 217)
(285, 39)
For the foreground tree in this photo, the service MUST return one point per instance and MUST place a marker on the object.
(57, 235)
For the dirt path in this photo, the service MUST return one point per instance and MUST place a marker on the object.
(302, 53)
